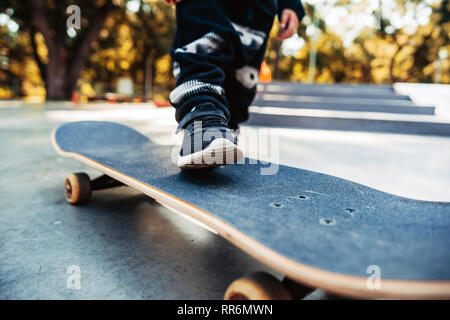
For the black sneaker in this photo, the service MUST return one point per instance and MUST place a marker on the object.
(208, 143)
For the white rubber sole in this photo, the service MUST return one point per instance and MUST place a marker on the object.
(219, 152)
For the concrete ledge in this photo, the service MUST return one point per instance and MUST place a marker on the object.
(348, 121)
(327, 88)
(336, 104)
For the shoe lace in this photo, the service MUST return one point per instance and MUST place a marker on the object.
(209, 122)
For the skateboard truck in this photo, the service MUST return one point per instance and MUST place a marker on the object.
(78, 187)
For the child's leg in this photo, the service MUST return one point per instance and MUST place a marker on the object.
(241, 89)
(253, 26)
(214, 48)
(217, 53)
(201, 51)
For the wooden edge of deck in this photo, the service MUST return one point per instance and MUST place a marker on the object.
(341, 284)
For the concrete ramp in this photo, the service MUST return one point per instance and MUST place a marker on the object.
(370, 108)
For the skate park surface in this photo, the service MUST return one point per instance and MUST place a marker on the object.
(127, 246)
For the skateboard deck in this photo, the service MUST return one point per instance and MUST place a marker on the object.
(318, 230)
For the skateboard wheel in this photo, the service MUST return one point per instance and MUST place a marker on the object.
(257, 286)
(77, 188)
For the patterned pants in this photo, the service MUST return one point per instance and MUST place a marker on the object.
(217, 52)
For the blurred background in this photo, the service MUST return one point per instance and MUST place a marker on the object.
(120, 51)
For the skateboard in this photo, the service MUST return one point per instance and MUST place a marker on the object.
(317, 230)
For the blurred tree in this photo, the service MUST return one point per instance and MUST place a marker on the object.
(134, 44)
(408, 51)
(359, 41)
(11, 58)
(331, 61)
(153, 29)
(402, 45)
(67, 51)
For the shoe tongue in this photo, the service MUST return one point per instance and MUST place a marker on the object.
(211, 121)
(203, 112)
